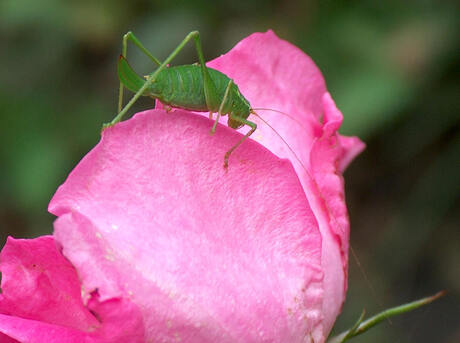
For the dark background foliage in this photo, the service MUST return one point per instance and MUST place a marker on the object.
(389, 65)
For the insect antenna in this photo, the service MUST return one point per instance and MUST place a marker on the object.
(355, 257)
(353, 253)
(368, 281)
(290, 116)
(281, 137)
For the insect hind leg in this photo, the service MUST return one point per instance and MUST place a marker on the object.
(151, 79)
(129, 36)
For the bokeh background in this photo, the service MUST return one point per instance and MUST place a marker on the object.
(390, 66)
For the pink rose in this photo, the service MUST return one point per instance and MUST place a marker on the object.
(170, 247)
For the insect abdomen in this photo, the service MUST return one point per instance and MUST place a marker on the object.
(181, 86)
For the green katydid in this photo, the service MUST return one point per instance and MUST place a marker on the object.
(193, 87)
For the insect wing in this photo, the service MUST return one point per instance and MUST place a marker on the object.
(128, 76)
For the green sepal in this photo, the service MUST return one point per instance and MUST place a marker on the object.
(362, 326)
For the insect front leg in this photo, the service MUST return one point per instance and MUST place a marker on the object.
(221, 107)
(253, 127)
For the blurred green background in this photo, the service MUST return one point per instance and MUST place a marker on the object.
(390, 66)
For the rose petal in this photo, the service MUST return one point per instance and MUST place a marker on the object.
(352, 147)
(7, 339)
(41, 300)
(209, 255)
(328, 157)
(285, 78)
(32, 331)
(272, 73)
(39, 283)
(121, 321)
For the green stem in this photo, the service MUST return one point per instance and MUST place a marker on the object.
(361, 327)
